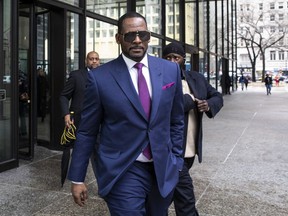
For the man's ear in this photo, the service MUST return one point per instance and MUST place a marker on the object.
(117, 38)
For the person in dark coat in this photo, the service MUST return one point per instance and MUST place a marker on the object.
(71, 100)
(73, 91)
(42, 89)
(268, 83)
(199, 98)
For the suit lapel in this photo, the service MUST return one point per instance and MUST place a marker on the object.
(84, 75)
(191, 83)
(121, 75)
(156, 77)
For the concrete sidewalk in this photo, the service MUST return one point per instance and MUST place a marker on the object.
(244, 170)
(245, 163)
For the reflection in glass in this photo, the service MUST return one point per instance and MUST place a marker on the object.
(202, 63)
(212, 26)
(212, 73)
(5, 86)
(24, 86)
(172, 19)
(43, 75)
(154, 47)
(71, 2)
(191, 22)
(151, 10)
(219, 27)
(202, 24)
(112, 9)
(72, 46)
(108, 49)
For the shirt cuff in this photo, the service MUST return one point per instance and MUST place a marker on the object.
(77, 182)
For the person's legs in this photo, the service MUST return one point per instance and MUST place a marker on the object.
(156, 205)
(130, 194)
(270, 86)
(184, 198)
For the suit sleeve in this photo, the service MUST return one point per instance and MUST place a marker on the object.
(66, 94)
(177, 119)
(87, 132)
(214, 99)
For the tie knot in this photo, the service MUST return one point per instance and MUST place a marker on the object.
(138, 66)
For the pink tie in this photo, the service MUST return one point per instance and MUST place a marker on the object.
(145, 101)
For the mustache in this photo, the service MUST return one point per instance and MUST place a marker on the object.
(136, 47)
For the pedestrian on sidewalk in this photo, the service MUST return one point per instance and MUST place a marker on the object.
(242, 81)
(199, 98)
(268, 83)
(246, 81)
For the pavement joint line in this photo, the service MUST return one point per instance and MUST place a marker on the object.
(239, 138)
(234, 146)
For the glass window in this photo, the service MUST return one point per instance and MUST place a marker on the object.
(202, 24)
(151, 10)
(281, 55)
(272, 5)
(280, 5)
(281, 17)
(71, 2)
(72, 46)
(108, 49)
(220, 26)
(191, 23)
(172, 19)
(248, 7)
(226, 29)
(272, 17)
(212, 26)
(112, 9)
(272, 55)
(6, 152)
(202, 63)
(154, 47)
(212, 69)
(260, 6)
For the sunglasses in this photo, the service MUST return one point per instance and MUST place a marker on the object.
(130, 36)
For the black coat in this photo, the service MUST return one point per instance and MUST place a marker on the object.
(202, 90)
(73, 94)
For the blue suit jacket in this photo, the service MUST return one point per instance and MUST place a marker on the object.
(112, 105)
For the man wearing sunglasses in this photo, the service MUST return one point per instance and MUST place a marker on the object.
(199, 98)
(136, 101)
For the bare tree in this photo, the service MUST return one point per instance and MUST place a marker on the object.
(260, 32)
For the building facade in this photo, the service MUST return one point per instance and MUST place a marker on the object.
(263, 23)
(55, 36)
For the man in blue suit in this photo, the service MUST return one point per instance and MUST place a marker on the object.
(131, 182)
(199, 98)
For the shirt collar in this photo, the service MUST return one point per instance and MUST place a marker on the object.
(130, 63)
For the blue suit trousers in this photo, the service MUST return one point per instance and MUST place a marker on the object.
(136, 193)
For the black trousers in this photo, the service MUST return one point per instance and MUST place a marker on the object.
(184, 198)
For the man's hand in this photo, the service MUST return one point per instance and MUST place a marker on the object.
(79, 193)
(202, 105)
(68, 120)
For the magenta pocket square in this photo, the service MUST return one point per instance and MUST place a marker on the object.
(168, 85)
